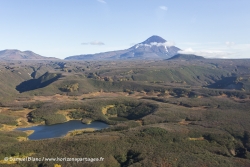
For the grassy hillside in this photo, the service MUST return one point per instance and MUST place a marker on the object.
(33, 79)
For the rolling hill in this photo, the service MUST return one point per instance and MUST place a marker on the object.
(13, 54)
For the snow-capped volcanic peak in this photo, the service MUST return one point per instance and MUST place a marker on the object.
(154, 39)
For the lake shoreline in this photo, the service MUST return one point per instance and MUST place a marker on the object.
(62, 129)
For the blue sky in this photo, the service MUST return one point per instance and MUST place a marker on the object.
(61, 28)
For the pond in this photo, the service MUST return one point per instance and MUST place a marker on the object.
(59, 130)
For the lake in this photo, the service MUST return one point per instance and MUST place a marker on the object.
(59, 130)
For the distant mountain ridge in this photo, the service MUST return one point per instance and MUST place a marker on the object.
(186, 57)
(154, 47)
(14, 54)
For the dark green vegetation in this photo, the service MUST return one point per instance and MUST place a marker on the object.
(131, 110)
(169, 113)
(237, 83)
(92, 110)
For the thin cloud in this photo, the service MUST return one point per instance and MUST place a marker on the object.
(207, 53)
(163, 8)
(242, 46)
(198, 44)
(166, 44)
(102, 1)
(93, 43)
(229, 44)
(96, 43)
(226, 50)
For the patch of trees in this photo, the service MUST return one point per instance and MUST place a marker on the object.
(132, 111)
(70, 88)
(129, 159)
(154, 131)
(47, 113)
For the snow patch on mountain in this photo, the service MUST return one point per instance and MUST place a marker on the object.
(165, 44)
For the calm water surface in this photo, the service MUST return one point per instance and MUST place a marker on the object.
(59, 130)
